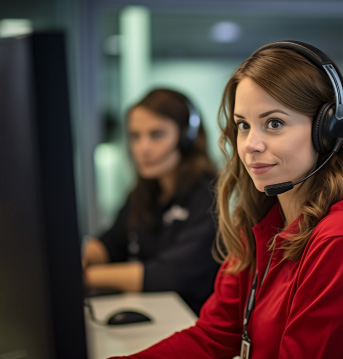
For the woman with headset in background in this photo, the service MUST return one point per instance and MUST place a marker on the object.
(162, 238)
(279, 292)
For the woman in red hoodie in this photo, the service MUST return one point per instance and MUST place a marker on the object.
(279, 292)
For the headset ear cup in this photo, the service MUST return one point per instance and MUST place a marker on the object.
(316, 128)
(320, 128)
(185, 143)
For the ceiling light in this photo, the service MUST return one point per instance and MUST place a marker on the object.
(225, 32)
(15, 27)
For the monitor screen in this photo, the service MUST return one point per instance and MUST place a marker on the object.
(41, 300)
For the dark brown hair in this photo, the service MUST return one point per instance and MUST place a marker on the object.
(301, 86)
(195, 161)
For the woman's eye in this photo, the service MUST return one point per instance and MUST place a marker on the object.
(274, 124)
(242, 126)
(157, 134)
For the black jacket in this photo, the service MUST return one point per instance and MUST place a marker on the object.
(176, 253)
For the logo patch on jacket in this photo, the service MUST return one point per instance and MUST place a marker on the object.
(175, 213)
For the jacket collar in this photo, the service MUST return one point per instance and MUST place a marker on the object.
(272, 224)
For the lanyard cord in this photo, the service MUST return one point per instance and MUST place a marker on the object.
(251, 301)
(249, 308)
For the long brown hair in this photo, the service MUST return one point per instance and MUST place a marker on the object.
(195, 160)
(299, 85)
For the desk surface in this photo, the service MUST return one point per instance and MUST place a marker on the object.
(167, 309)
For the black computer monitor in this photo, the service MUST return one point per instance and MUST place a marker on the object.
(41, 292)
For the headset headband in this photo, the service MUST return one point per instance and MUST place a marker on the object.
(319, 59)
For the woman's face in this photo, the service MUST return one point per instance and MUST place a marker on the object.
(153, 143)
(274, 143)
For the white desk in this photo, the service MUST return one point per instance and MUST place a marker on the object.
(167, 309)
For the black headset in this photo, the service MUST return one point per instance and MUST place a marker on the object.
(189, 135)
(328, 123)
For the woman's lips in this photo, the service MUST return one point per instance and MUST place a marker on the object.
(260, 168)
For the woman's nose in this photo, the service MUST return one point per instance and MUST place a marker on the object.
(144, 144)
(255, 141)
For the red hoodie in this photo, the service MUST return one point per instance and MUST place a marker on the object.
(298, 311)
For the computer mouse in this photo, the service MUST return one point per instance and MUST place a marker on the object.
(128, 317)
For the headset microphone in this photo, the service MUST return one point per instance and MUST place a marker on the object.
(278, 188)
